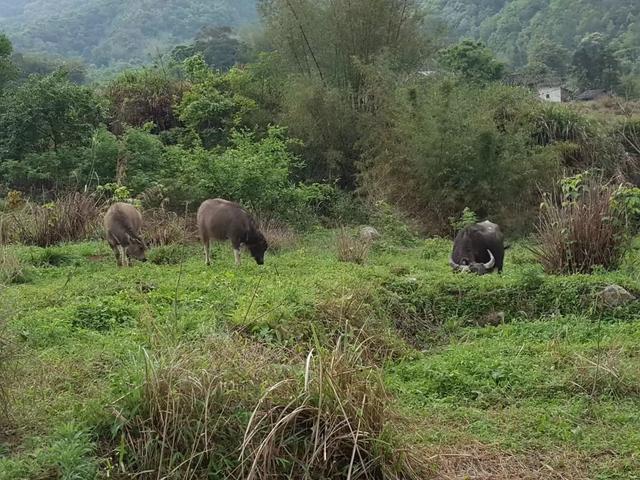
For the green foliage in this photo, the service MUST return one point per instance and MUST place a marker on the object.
(595, 65)
(255, 173)
(44, 123)
(8, 71)
(329, 41)
(553, 56)
(466, 219)
(167, 255)
(626, 204)
(514, 29)
(452, 148)
(137, 97)
(219, 46)
(103, 316)
(211, 107)
(116, 34)
(472, 61)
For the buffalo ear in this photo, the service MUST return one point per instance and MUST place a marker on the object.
(137, 240)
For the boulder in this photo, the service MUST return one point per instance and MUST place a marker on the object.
(615, 296)
(369, 234)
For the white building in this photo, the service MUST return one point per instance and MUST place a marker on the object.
(553, 94)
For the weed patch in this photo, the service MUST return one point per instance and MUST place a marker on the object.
(103, 316)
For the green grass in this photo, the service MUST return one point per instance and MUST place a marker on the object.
(555, 379)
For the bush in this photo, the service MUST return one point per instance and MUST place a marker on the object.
(12, 269)
(162, 227)
(581, 230)
(350, 248)
(70, 217)
(280, 236)
(103, 316)
(450, 147)
(188, 417)
(333, 424)
(167, 255)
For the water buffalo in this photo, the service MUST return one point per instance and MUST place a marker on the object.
(479, 249)
(222, 220)
(122, 224)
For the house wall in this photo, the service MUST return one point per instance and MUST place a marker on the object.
(551, 95)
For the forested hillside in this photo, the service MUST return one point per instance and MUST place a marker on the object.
(112, 32)
(514, 28)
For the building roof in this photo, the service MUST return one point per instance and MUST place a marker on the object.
(592, 95)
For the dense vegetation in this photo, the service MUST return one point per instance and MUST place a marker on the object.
(515, 29)
(347, 355)
(112, 33)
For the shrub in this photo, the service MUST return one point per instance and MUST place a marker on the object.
(162, 227)
(167, 255)
(188, 417)
(52, 257)
(12, 270)
(279, 235)
(103, 316)
(70, 217)
(449, 147)
(334, 423)
(581, 230)
(467, 218)
(351, 249)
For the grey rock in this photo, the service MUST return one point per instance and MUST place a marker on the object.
(369, 234)
(615, 296)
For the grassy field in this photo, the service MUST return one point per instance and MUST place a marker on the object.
(522, 375)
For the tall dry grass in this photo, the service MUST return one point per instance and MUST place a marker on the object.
(350, 248)
(576, 236)
(336, 423)
(163, 227)
(189, 417)
(70, 217)
(279, 235)
(210, 412)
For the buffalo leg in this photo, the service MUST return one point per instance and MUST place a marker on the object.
(124, 261)
(207, 252)
(236, 254)
(116, 252)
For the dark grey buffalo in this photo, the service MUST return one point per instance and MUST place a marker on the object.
(479, 249)
(222, 220)
(122, 224)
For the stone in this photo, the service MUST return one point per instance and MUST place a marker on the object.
(615, 296)
(491, 319)
(369, 234)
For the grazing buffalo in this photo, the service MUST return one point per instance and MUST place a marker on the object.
(479, 249)
(122, 224)
(222, 220)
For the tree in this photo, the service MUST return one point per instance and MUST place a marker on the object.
(47, 116)
(219, 47)
(552, 55)
(472, 61)
(211, 108)
(329, 40)
(146, 95)
(8, 70)
(594, 64)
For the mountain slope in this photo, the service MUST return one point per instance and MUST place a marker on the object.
(108, 32)
(511, 28)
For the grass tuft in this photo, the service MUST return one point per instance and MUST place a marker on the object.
(351, 249)
(333, 423)
(577, 236)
